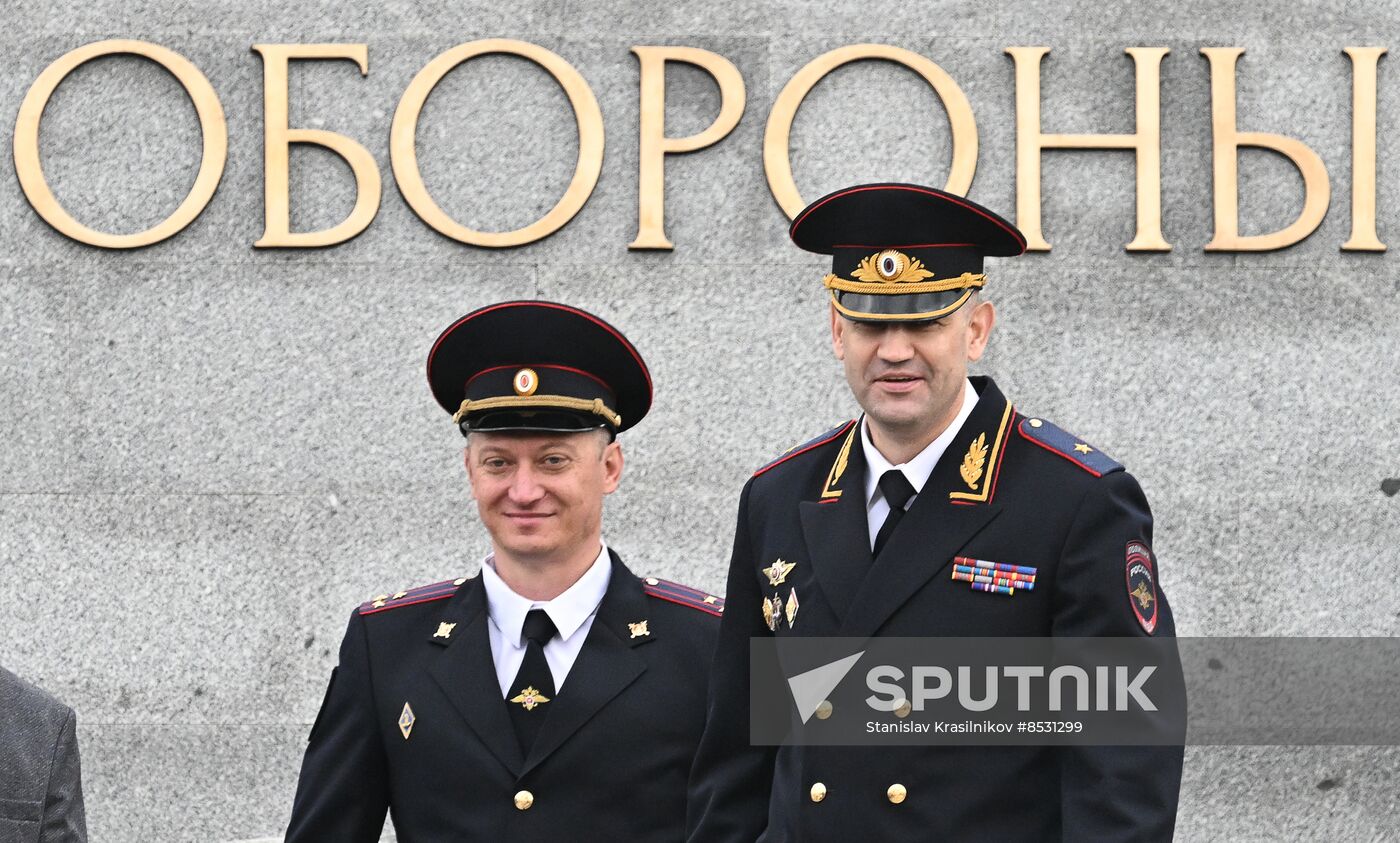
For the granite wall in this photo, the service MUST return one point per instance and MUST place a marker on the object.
(209, 454)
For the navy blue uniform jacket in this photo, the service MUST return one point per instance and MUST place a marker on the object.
(1073, 514)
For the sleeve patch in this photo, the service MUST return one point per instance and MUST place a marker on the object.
(807, 446)
(1142, 585)
(1069, 446)
(674, 592)
(422, 594)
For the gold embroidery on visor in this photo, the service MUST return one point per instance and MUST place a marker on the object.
(596, 406)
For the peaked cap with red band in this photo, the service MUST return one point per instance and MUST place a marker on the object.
(901, 252)
(536, 365)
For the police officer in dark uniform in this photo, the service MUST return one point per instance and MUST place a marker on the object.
(556, 696)
(912, 521)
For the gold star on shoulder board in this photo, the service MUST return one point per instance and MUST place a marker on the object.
(638, 629)
(778, 571)
(529, 698)
(1082, 448)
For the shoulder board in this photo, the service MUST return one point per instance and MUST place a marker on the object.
(1069, 446)
(422, 594)
(808, 445)
(684, 595)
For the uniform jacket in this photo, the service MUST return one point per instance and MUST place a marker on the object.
(41, 792)
(1039, 501)
(610, 762)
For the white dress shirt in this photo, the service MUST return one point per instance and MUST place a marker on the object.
(572, 612)
(916, 471)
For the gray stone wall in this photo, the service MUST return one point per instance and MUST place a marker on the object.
(210, 454)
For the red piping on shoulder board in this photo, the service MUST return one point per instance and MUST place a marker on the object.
(680, 602)
(1057, 452)
(785, 457)
(427, 598)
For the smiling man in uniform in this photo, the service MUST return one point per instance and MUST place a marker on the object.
(943, 511)
(557, 696)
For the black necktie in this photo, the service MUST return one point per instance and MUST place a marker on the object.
(898, 491)
(530, 696)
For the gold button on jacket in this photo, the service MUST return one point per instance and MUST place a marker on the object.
(524, 799)
(818, 792)
(897, 793)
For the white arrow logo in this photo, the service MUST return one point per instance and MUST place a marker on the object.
(811, 688)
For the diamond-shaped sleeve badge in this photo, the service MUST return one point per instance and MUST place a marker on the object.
(406, 721)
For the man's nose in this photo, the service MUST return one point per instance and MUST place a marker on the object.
(524, 486)
(895, 346)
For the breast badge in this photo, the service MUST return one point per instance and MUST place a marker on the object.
(778, 571)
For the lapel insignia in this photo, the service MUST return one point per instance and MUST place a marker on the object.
(638, 629)
(529, 698)
(778, 571)
(444, 630)
(994, 577)
(406, 721)
(791, 608)
(838, 468)
(973, 461)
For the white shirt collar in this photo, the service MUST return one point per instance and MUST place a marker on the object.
(918, 469)
(569, 610)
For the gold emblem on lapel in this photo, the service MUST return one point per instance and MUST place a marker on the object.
(406, 721)
(974, 461)
(778, 571)
(791, 608)
(838, 468)
(529, 698)
(444, 630)
(638, 629)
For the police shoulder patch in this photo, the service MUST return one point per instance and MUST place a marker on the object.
(807, 446)
(421, 594)
(1069, 446)
(1142, 585)
(674, 592)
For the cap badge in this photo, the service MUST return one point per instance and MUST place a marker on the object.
(891, 267)
(973, 461)
(526, 382)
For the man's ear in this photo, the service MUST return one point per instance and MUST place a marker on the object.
(979, 329)
(838, 326)
(612, 467)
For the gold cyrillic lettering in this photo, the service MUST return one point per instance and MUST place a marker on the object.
(1228, 140)
(404, 156)
(1363, 149)
(654, 145)
(278, 138)
(776, 161)
(211, 125)
(1146, 143)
